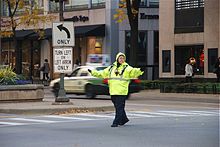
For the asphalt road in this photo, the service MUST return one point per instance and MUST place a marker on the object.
(154, 128)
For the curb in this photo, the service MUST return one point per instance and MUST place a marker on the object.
(57, 111)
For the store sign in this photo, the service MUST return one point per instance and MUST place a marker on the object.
(62, 60)
(144, 16)
(80, 18)
(63, 34)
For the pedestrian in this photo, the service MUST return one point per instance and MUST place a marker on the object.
(217, 69)
(45, 69)
(76, 64)
(189, 71)
(119, 75)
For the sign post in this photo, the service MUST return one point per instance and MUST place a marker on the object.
(63, 41)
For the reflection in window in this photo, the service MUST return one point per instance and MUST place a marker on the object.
(149, 3)
(212, 57)
(142, 47)
(166, 58)
(183, 53)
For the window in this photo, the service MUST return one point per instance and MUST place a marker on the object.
(188, 4)
(84, 74)
(183, 53)
(154, 3)
(189, 16)
(212, 57)
(149, 3)
(166, 58)
(142, 44)
(98, 3)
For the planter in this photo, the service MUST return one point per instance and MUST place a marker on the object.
(28, 92)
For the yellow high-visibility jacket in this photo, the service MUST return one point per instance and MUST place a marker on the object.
(118, 84)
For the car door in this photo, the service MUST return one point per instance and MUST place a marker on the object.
(82, 80)
(70, 83)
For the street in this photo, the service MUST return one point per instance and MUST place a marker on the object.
(165, 124)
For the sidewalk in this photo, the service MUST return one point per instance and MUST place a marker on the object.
(88, 105)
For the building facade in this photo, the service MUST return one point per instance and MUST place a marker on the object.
(96, 32)
(188, 28)
(148, 38)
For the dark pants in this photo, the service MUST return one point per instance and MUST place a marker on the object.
(119, 104)
(218, 77)
(45, 75)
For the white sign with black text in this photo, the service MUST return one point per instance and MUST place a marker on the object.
(63, 34)
(62, 60)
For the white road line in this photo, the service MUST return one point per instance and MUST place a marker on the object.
(11, 123)
(207, 112)
(33, 120)
(64, 117)
(186, 112)
(140, 115)
(158, 114)
(95, 115)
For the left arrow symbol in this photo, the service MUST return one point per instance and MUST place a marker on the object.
(61, 27)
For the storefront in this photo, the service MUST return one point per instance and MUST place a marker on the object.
(186, 34)
(30, 55)
(88, 40)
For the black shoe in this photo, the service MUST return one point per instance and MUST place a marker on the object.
(114, 125)
(124, 122)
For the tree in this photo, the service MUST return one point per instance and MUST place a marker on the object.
(30, 17)
(132, 9)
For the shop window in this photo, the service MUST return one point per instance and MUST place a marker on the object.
(149, 3)
(189, 16)
(154, 3)
(166, 60)
(142, 47)
(183, 53)
(212, 57)
(7, 54)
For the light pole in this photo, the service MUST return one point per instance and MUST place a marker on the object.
(0, 31)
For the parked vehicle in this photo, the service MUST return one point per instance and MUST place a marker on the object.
(81, 82)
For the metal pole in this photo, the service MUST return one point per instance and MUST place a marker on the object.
(0, 32)
(62, 93)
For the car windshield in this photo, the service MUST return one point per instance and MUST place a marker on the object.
(74, 73)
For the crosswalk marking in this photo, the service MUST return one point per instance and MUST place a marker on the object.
(206, 112)
(94, 115)
(189, 113)
(65, 117)
(159, 114)
(10, 123)
(33, 120)
(43, 119)
(140, 115)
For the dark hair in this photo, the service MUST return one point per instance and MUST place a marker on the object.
(46, 60)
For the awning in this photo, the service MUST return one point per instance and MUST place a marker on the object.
(80, 31)
(91, 30)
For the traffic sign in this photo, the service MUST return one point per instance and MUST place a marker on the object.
(63, 34)
(62, 60)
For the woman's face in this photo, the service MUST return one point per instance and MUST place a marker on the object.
(121, 59)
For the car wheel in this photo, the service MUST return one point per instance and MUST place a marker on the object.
(89, 92)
